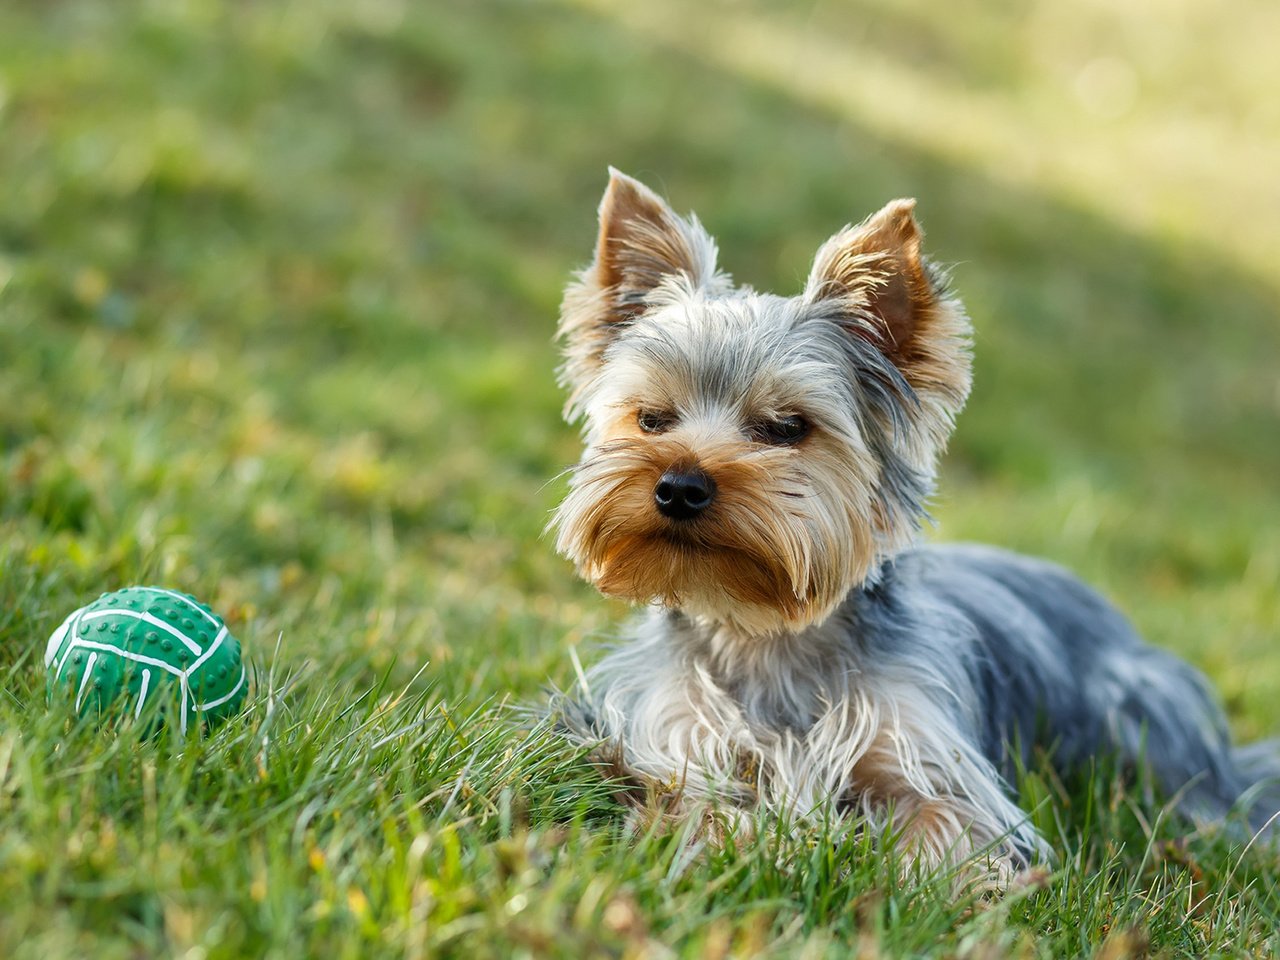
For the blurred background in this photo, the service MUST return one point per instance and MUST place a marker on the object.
(278, 283)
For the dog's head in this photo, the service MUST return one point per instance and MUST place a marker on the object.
(750, 457)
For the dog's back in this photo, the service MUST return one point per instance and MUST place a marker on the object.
(1057, 666)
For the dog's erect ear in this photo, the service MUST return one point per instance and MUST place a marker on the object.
(875, 269)
(875, 278)
(642, 242)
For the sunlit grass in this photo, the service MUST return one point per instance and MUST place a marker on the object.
(1105, 106)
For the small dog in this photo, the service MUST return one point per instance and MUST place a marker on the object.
(756, 470)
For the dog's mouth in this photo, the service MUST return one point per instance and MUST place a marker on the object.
(653, 554)
(685, 536)
(671, 538)
(682, 568)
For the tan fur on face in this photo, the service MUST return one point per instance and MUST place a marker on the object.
(760, 555)
(739, 552)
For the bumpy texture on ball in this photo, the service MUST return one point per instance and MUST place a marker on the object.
(131, 647)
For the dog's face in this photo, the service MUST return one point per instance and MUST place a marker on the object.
(751, 457)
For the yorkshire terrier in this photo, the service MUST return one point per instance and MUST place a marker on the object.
(757, 468)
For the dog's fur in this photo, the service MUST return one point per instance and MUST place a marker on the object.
(801, 652)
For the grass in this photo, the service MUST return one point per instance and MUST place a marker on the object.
(277, 285)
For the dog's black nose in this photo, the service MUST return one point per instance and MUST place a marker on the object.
(683, 494)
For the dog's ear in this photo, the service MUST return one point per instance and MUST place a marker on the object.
(883, 290)
(875, 271)
(641, 243)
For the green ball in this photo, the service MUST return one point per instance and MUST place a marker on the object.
(140, 644)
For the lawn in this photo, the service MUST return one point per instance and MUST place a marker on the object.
(277, 290)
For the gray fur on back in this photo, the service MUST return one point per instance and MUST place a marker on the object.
(1055, 665)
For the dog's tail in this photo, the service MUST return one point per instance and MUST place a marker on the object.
(1168, 719)
(1259, 768)
(1242, 787)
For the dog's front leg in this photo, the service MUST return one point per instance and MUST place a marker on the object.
(943, 811)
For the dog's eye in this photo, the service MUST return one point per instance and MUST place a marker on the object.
(781, 432)
(655, 421)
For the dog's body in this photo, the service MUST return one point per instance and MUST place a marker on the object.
(757, 468)
(919, 695)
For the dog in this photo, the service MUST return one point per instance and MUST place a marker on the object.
(756, 471)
